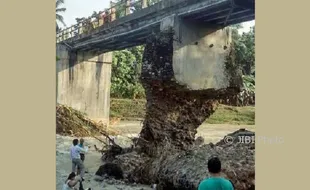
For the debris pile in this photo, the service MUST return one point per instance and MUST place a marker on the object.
(71, 122)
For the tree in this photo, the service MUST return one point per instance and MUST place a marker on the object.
(126, 68)
(244, 49)
(244, 57)
(59, 10)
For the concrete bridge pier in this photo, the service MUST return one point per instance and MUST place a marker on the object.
(199, 54)
(83, 82)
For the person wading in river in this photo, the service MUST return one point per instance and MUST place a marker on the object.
(215, 182)
(76, 158)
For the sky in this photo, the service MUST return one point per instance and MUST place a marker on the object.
(85, 8)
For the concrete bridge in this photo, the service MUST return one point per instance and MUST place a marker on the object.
(85, 49)
(133, 29)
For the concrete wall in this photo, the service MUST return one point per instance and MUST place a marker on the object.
(85, 84)
(199, 54)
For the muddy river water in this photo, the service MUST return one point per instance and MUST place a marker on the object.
(211, 133)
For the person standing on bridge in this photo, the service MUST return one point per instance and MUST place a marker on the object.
(215, 182)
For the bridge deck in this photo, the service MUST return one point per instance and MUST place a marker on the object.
(133, 29)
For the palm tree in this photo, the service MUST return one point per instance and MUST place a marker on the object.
(59, 17)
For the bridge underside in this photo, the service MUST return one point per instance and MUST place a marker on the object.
(223, 14)
(134, 29)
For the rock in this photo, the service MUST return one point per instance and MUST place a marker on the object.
(199, 141)
(110, 169)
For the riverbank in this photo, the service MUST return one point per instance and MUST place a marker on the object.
(134, 110)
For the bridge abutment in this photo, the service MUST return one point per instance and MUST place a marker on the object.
(83, 82)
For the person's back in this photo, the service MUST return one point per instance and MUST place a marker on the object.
(215, 182)
(71, 182)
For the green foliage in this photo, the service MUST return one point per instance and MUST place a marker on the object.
(249, 83)
(244, 55)
(233, 115)
(126, 68)
(244, 49)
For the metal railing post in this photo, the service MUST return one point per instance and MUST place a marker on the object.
(80, 28)
(70, 32)
(101, 21)
(144, 4)
(62, 36)
(127, 7)
(112, 11)
(57, 38)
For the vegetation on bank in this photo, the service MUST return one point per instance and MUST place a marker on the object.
(233, 115)
(128, 109)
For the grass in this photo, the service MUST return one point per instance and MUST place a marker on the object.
(128, 109)
(233, 115)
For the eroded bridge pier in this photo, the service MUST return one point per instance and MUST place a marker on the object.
(184, 74)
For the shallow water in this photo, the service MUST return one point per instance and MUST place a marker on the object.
(211, 133)
(92, 163)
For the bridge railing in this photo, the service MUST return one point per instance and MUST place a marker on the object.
(116, 11)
